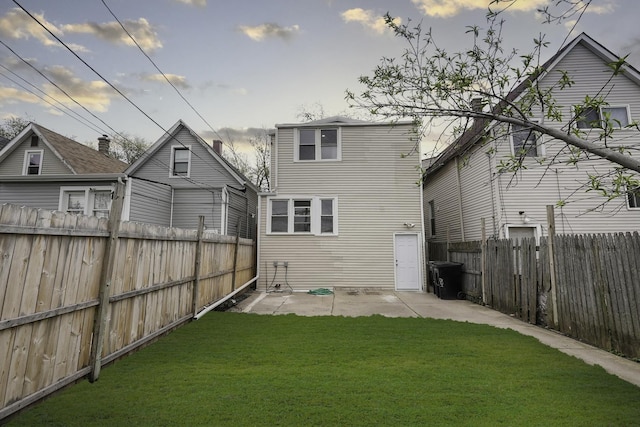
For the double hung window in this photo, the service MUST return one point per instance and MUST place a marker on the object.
(613, 116)
(317, 144)
(32, 162)
(180, 161)
(303, 215)
(525, 141)
(86, 201)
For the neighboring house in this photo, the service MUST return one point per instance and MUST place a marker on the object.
(42, 169)
(181, 177)
(463, 185)
(344, 208)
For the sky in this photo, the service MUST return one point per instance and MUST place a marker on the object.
(235, 67)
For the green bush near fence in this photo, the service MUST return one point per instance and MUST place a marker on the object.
(244, 369)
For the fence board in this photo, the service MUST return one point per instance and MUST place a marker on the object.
(50, 266)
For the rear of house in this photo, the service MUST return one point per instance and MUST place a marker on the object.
(344, 208)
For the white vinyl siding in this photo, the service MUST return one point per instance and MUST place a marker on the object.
(499, 198)
(375, 192)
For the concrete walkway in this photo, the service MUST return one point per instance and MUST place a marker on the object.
(367, 302)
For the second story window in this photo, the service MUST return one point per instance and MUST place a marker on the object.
(180, 161)
(32, 162)
(317, 144)
(525, 142)
(617, 117)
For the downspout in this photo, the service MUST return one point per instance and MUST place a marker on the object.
(171, 214)
(460, 199)
(493, 198)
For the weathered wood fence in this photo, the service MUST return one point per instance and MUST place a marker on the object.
(78, 292)
(589, 289)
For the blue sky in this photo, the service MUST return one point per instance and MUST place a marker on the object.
(243, 65)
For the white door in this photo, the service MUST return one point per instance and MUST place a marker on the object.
(407, 262)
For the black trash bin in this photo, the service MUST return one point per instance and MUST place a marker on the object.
(447, 279)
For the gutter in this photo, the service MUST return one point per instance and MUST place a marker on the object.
(64, 178)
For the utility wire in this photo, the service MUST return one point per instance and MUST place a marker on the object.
(111, 85)
(159, 70)
(77, 117)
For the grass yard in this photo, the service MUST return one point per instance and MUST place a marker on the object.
(245, 369)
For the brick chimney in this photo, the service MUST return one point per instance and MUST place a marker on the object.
(103, 144)
(477, 104)
(217, 146)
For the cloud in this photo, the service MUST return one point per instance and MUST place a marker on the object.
(176, 80)
(199, 3)
(141, 30)
(9, 95)
(368, 19)
(94, 95)
(449, 8)
(16, 24)
(269, 30)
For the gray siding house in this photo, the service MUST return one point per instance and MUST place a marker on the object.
(463, 184)
(344, 208)
(42, 169)
(181, 177)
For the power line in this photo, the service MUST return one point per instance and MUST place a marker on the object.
(77, 117)
(159, 70)
(107, 82)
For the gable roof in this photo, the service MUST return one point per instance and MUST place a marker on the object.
(79, 158)
(171, 135)
(478, 128)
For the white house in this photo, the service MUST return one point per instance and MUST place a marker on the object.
(344, 208)
(463, 185)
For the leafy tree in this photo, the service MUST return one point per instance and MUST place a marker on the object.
(452, 91)
(127, 148)
(12, 126)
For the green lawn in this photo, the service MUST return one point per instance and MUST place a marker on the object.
(244, 369)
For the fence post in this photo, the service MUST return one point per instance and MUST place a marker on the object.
(196, 267)
(551, 223)
(483, 261)
(100, 321)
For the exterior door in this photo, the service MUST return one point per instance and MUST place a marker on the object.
(407, 260)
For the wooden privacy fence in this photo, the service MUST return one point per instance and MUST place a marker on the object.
(585, 286)
(77, 292)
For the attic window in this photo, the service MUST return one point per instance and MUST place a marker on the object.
(633, 198)
(32, 162)
(525, 141)
(180, 161)
(34, 140)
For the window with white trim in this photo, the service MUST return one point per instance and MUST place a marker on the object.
(317, 144)
(432, 217)
(303, 215)
(32, 162)
(525, 141)
(633, 198)
(180, 161)
(617, 116)
(92, 201)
